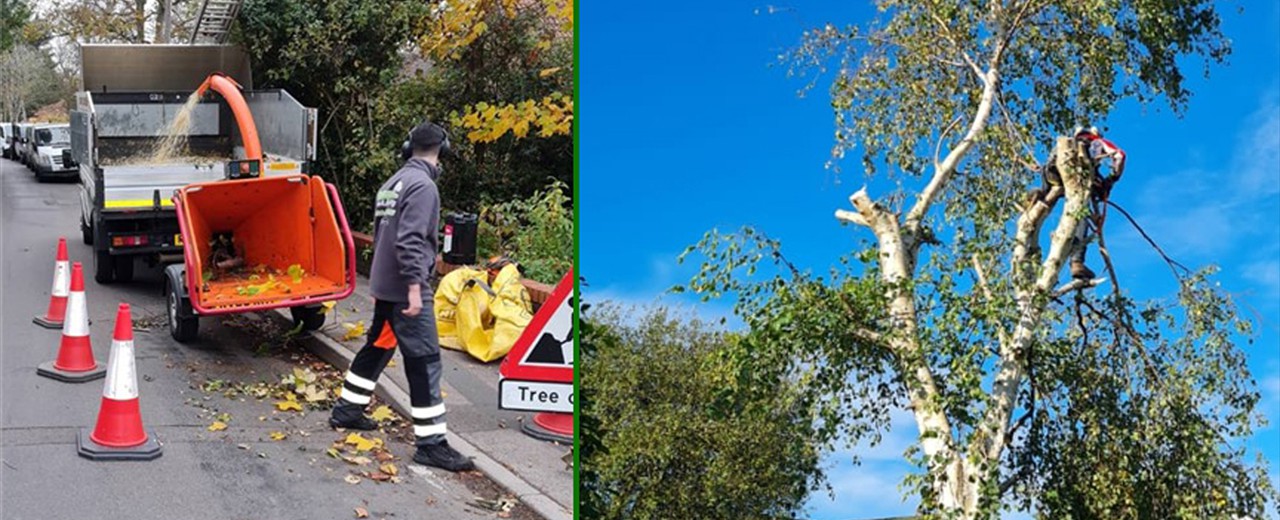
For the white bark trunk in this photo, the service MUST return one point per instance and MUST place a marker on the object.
(1031, 301)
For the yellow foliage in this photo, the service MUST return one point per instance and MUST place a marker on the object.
(551, 115)
(217, 426)
(354, 330)
(362, 444)
(382, 413)
(460, 22)
(289, 404)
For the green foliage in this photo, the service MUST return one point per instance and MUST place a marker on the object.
(676, 426)
(536, 232)
(348, 58)
(14, 15)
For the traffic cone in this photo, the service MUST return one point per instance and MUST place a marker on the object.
(75, 363)
(118, 434)
(52, 318)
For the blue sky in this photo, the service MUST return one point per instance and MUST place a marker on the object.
(689, 123)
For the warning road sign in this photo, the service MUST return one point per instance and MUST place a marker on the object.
(544, 351)
(537, 375)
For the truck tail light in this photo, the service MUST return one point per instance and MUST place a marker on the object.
(129, 241)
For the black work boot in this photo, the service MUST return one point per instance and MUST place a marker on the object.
(442, 456)
(351, 417)
(1080, 271)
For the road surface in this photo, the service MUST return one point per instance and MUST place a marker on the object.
(239, 472)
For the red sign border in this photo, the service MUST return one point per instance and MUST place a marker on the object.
(511, 367)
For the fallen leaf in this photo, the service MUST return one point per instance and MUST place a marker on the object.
(295, 271)
(314, 394)
(361, 443)
(382, 413)
(354, 330)
(378, 476)
(389, 469)
(333, 452)
(362, 512)
(384, 456)
(547, 72)
(352, 479)
(327, 306)
(359, 461)
(278, 436)
(288, 404)
(217, 426)
(304, 375)
(391, 363)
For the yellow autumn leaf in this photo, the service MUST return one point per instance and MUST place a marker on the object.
(278, 436)
(289, 404)
(327, 306)
(217, 426)
(382, 413)
(354, 330)
(389, 469)
(361, 443)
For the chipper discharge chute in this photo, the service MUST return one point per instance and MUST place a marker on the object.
(256, 242)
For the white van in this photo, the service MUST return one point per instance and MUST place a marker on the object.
(6, 140)
(46, 159)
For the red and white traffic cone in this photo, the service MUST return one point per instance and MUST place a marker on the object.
(118, 434)
(75, 363)
(53, 317)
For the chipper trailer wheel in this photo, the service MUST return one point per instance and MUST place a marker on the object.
(308, 317)
(184, 325)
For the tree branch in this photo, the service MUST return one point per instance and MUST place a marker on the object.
(1077, 284)
(844, 215)
(942, 172)
(946, 33)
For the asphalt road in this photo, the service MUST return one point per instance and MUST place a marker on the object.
(236, 473)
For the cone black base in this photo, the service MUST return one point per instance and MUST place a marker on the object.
(46, 369)
(41, 321)
(88, 449)
(544, 434)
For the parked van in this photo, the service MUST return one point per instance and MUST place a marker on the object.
(17, 148)
(6, 139)
(49, 151)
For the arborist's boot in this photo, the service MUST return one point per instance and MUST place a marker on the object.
(443, 456)
(351, 417)
(1080, 271)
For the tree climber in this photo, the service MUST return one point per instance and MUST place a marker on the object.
(1098, 149)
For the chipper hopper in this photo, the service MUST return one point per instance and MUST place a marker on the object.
(262, 243)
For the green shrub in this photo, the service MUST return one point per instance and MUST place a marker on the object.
(537, 232)
(675, 426)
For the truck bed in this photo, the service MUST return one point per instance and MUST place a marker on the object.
(133, 187)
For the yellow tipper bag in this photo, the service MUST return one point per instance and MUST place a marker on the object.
(474, 323)
(447, 296)
(511, 310)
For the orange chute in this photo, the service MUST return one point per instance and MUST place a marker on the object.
(230, 91)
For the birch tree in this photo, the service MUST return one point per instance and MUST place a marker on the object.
(1029, 390)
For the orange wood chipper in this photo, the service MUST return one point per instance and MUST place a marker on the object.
(255, 242)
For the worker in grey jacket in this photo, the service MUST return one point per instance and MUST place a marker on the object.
(406, 217)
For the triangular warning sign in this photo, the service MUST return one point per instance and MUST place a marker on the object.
(544, 351)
